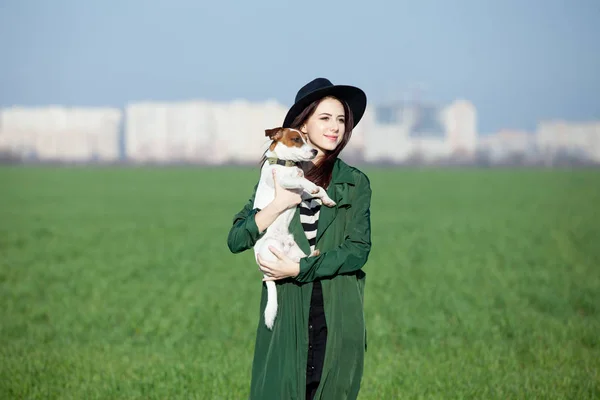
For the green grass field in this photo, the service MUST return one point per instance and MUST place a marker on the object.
(118, 284)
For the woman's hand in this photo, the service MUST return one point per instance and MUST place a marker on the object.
(283, 267)
(284, 198)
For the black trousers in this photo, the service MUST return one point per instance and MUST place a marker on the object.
(317, 340)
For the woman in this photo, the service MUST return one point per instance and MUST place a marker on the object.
(317, 345)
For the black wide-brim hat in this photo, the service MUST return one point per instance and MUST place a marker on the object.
(321, 87)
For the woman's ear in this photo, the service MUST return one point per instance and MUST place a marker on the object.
(305, 134)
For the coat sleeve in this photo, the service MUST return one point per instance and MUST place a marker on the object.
(351, 255)
(244, 233)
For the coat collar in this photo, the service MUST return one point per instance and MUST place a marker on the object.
(342, 173)
(341, 178)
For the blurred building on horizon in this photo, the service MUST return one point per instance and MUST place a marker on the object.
(225, 133)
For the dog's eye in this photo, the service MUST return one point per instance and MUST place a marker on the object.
(297, 140)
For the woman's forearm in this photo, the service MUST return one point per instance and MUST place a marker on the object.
(265, 217)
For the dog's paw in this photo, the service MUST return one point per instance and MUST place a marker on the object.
(328, 202)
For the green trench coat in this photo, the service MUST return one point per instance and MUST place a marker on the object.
(344, 239)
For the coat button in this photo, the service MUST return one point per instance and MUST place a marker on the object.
(310, 327)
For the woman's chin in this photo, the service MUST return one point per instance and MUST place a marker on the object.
(328, 146)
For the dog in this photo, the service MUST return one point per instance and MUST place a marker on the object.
(288, 147)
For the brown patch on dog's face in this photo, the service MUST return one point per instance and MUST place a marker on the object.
(292, 138)
(286, 136)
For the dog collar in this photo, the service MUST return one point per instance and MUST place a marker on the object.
(286, 163)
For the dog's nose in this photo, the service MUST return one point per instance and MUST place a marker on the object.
(314, 152)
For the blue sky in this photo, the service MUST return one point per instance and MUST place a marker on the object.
(517, 61)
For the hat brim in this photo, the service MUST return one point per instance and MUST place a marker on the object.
(353, 96)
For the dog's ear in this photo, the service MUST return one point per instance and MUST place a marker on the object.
(274, 134)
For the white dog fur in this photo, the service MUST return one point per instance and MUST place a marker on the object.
(289, 177)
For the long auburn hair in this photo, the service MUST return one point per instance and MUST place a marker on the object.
(321, 174)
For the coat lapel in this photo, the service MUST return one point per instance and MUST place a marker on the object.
(338, 191)
(298, 232)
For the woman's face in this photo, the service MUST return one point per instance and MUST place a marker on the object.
(326, 126)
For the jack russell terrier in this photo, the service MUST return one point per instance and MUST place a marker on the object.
(288, 147)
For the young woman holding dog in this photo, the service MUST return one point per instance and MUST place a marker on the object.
(317, 345)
